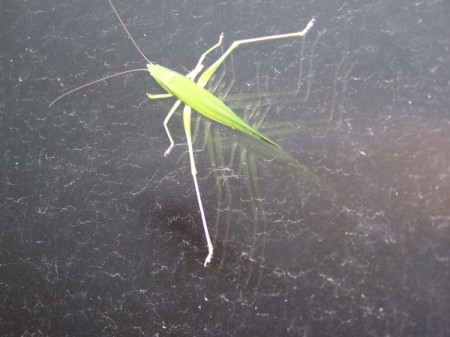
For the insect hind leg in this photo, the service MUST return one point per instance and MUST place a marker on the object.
(187, 129)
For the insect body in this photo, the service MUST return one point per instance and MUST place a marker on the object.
(194, 96)
(201, 100)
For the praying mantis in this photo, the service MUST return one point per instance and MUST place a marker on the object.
(191, 92)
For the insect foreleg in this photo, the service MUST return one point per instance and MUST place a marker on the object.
(193, 74)
(166, 121)
(159, 96)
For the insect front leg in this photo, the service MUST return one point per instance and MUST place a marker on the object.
(159, 96)
(166, 121)
(199, 67)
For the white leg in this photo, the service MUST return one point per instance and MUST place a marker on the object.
(204, 78)
(187, 129)
(166, 121)
(193, 74)
(159, 96)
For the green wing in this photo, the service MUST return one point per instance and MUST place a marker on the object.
(202, 101)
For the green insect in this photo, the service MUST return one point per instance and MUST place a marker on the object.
(194, 96)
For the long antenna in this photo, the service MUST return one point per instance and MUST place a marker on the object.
(94, 82)
(128, 33)
(113, 75)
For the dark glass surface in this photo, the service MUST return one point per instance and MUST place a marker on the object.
(100, 234)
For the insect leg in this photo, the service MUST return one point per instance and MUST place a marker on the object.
(204, 78)
(187, 129)
(193, 74)
(166, 121)
(159, 96)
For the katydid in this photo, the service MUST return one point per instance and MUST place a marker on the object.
(194, 96)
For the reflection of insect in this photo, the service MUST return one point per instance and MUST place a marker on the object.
(194, 96)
